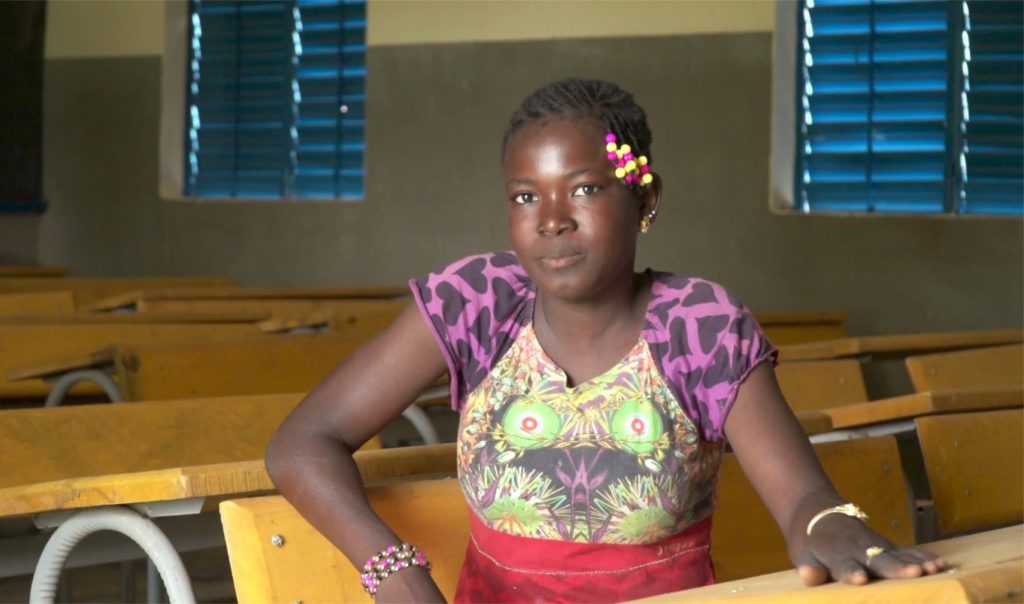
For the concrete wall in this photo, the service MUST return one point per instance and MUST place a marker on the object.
(436, 110)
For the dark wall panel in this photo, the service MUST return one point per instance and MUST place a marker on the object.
(22, 27)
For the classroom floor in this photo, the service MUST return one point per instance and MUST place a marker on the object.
(209, 569)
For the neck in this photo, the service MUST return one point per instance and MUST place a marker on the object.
(615, 308)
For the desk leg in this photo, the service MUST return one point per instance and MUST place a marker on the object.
(419, 419)
(65, 382)
(139, 529)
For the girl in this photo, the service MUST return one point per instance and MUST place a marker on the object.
(595, 401)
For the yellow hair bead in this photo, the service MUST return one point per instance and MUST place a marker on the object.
(610, 147)
(642, 160)
(647, 178)
(626, 148)
(630, 166)
(620, 173)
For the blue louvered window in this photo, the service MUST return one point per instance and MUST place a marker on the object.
(910, 106)
(276, 99)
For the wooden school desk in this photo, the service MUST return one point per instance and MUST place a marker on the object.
(898, 345)
(87, 290)
(164, 511)
(152, 299)
(985, 567)
(12, 270)
(52, 302)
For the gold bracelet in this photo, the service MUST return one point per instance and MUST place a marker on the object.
(847, 509)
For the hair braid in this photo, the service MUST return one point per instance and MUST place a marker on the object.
(598, 99)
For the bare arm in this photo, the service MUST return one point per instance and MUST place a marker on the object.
(310, 455)
(781, 464)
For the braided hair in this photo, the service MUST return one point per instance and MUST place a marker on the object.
(578, 98)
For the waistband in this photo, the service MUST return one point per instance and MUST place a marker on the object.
(565, 558)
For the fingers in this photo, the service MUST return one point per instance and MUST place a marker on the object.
(815, 572)
(810, 570)
(895, 564)
(860, 568)
(905, 564)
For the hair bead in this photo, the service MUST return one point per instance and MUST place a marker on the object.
(632, 171)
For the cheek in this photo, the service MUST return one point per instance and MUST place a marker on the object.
(518, 226)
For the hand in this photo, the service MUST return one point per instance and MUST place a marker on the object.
(837, 549)
(411, 584)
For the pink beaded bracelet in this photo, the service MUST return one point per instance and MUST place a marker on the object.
(389, 561)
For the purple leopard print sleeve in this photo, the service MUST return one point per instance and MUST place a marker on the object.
(706, 343)
(476, 307)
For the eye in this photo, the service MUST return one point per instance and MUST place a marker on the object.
(523, 198)
(586, 190)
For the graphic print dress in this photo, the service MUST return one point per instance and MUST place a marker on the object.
(587, 484)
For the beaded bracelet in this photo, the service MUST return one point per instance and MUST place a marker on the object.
(389, 561)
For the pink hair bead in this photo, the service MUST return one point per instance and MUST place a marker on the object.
(609, 138)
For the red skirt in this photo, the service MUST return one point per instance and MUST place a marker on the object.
(505, 568)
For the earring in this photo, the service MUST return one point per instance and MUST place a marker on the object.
(645, 223)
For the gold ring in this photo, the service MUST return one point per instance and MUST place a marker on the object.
(872, 552)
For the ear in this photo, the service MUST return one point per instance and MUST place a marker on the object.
(650, 199)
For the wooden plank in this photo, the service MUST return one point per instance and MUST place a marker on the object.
(975, 467)
(814, 422)
(319, 320)
(135, 299)
(925, 403)
(899, 345)
(232, 316)
(280, 307)
(88, 290)
(785, 334)
(430, 513)
(244, 477)
(53, 303)
(817, 385)
(47, 444)
(25, 271)
(24, 346)
(809, 351)
(238, 478)
(745, 540)
(268, 363)
(975, 368)
(988, 567)
(57, 365)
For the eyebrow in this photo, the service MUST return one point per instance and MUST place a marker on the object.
(519, 180)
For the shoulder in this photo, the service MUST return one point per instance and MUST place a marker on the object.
(690, 298)
(493, 279)
(692, 320)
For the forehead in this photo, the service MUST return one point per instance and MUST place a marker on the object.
(573, 136)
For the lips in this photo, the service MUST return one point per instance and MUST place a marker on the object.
(561, 260)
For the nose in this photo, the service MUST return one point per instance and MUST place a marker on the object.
(555, 218)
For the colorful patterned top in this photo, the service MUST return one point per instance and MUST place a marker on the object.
(627, 457)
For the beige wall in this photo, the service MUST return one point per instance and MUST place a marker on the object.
(132, 28)
(451, 21)
(104, 28)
